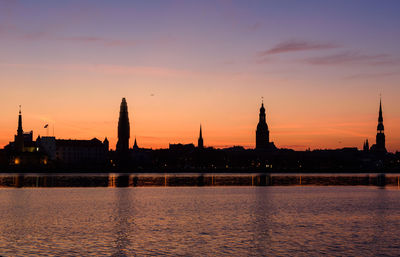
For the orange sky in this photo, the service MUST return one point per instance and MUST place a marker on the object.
(182, 64)
(164, 112)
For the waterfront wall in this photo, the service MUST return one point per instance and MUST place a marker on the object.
(170, 180)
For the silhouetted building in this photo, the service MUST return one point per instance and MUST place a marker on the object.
(23, 142)
(106, 144)
(200, 140)
(80, 151)
(48, 146)
(181, 147)
(3, 159)
(366, 146)
(262, 132)
(123, 129)
(380, 135)
(19, 137)
(135, 145)
(49, 154)
(23, 151)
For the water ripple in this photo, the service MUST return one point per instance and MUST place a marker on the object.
(234, 221)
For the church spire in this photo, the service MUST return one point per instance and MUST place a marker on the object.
(20, 131)
(366, 146)
(200, 143)
(135, 146)
(19, 138)
(380, 119)
(262, 132)
(380, 135)
(380, 127)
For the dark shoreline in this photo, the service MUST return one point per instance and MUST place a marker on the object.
(195, 179)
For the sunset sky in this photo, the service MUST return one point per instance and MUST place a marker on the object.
(320, 66)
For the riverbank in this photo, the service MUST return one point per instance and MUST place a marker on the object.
(194, 179)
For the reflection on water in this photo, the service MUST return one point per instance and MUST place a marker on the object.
(124, 214)
(172, 180)
(262, 223)
(200, 221)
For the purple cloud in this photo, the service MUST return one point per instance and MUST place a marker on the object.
(352, 58)
(15, 32)
(372, 75)
(100, 40)
(255, 26)
(296, 45)
(5, 29)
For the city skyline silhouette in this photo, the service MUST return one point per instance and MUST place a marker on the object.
(49, 153)
(262, 134)
(199, 128)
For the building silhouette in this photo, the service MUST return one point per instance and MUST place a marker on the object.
(23, 151)
(366, 146)
(182, 147)
(23, 142)
(48, 146)
(379, 146)
(135, 145)
(200, 143)
(123, 129)
(70, 151)
(52, 154)
(262, 132)
(106, 144)
(19, 137)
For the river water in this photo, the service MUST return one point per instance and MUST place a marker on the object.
(200, 221)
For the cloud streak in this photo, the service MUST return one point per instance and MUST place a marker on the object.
(5, 29)
(372, 75)
(14, 32)
(100, 40)
(295, 46)
(352, 58)
(255, 26)
(107, 69)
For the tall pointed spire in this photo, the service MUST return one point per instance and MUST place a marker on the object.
(19, 130)
(380, 127)
(380, 135)
(380, 119)
(366, 146)
(200, 143)
(135, 145)
(19, 137)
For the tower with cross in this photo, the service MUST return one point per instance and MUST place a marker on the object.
(262, 132)
(380, 134)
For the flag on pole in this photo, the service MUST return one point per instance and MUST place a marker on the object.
(45, 126)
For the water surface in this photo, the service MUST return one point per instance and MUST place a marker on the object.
(200, 221)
